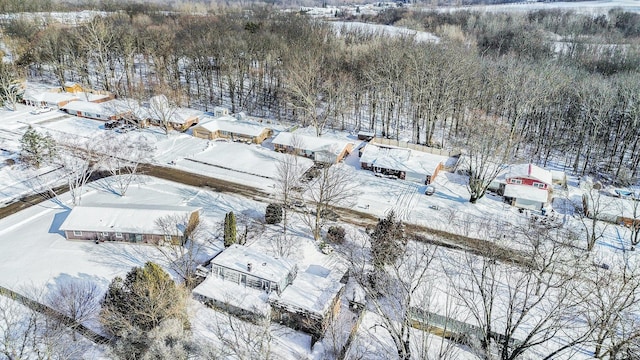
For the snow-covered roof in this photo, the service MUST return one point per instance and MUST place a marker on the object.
(558, 175)
(125, 218)
(311, 143)
(182, 115)
(108, 108)
(92, 97)
(613, 206)
(526, 192)
(159, 104)
(233, 294)
(237, 257)
(401, 159)
(248, 159)
(48, 96)
(529, 171)
(309, 292)
(236, 127)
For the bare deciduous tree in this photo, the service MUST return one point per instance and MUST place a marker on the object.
(78, 300)
(332, 186)
(11, 89)
(486, 152)
(595, 205)
(79, 159)
(242, 339)
(162, 111)
(521, 306)
(123, 158)
(396, 291)
(610, 306)
(195, 249)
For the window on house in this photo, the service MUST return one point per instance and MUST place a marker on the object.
(516, 181)
(167, 237)
(538, 185)
(105, 234)
(77, 233)
(119, 235)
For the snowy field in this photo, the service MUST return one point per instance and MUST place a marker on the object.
(384, 30)
(596, 7)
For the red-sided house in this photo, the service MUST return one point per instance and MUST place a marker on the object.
(526, 186)
(130, 223)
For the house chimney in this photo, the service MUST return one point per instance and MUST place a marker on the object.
(249, 267)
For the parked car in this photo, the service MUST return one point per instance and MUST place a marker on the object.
(430, 190)
(126, 128)
(112, 124)
(41, 110)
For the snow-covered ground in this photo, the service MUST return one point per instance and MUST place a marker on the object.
(596, 7)
(34, 253)
(384, 30)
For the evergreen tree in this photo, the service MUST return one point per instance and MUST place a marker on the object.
(36, 149)
(387, 240)
(230, 229)
(273, 214)
(139, 303)
(336, 234)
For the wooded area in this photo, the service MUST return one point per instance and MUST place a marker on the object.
(565, 85)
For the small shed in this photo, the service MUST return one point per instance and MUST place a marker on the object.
(72, 87)
(366, 135)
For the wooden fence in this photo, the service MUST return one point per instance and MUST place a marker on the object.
(453, 329)
(408, 145)
(52, 313)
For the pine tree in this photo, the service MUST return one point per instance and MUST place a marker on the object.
(226, 229)
(139, 303)
(230, 230)
(36, 149)
(273, 214)
(387, 240)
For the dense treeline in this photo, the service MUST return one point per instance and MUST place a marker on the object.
(566, 84)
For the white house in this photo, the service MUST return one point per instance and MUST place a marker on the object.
(320, 149)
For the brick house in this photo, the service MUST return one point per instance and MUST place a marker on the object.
(129, 223)
(229, 128)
